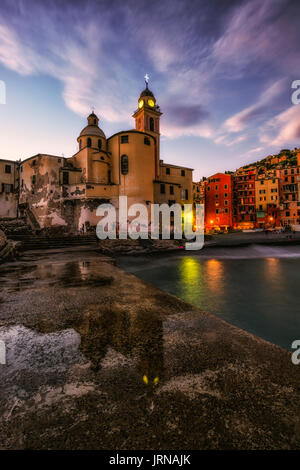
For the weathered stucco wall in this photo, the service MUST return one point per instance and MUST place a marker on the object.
(8, 188)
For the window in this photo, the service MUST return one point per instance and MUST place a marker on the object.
(151, 124)
(226, 210)
(217, 211)
(99, 144)
(109, 176)
(7, 188)
(124, 164)
(287, 214)
(186, 194)
(146, 141)
(124, 139)
(225, 194)
(7, 169)
(162, 188)
(182, 194)
(33, 179)
(208, 188)
(182, 172)
(89, 142)
(171, 189)
(95, 122)
(80, 144)
(65, 177)
(225, 186)
(226, 203)
(168, 172)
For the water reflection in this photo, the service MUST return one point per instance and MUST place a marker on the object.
(214, 272)
(191, 278)
(138, 336)
(258, 294)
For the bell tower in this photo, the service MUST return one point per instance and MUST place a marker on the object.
(147, 118)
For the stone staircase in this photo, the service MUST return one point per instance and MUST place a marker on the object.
(44, 243)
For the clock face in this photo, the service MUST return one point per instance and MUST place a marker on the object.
(141, 103)
(151, 103)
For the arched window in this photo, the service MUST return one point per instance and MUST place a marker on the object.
(124, 165)
(99, 143)
(89, 142)
(146, 141)
(152, 124)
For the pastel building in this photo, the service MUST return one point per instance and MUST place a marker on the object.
(244, 199)
(267, 202)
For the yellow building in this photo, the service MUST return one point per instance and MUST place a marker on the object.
(67, 191)
(266, 193)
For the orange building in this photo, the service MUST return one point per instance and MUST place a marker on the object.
(218, 202)
(289, 182)
(244, 199)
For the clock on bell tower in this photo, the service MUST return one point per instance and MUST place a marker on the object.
(147, 118)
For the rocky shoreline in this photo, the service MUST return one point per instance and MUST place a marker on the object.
(81, 336)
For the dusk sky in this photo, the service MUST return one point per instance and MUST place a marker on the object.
(221, 72)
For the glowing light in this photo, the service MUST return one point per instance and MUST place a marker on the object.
(141, 103)
(151, 103)
(156, 380)
(211, 222)
(145, 379)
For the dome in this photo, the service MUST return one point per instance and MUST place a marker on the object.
(146, 92)
(92, 130)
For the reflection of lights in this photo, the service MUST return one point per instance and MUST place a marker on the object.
(190, 278)
(272, 265)
(214, 274)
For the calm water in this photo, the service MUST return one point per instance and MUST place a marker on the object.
(256, 288)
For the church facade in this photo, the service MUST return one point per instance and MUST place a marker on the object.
(52, 190)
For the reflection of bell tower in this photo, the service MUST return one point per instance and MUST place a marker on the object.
(147, 118)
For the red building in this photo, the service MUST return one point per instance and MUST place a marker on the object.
(218, 202)
(244, 198)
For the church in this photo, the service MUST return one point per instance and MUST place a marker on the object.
(53, 190)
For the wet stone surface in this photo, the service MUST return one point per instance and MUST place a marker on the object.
(97, 359)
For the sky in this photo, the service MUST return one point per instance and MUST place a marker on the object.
(221, 72)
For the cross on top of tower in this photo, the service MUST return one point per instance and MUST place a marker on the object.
(146, 77)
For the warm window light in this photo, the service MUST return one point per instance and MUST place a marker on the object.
(211, 221)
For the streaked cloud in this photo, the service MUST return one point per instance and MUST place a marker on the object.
(283, 129)
(217, 68)
(260, 109)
